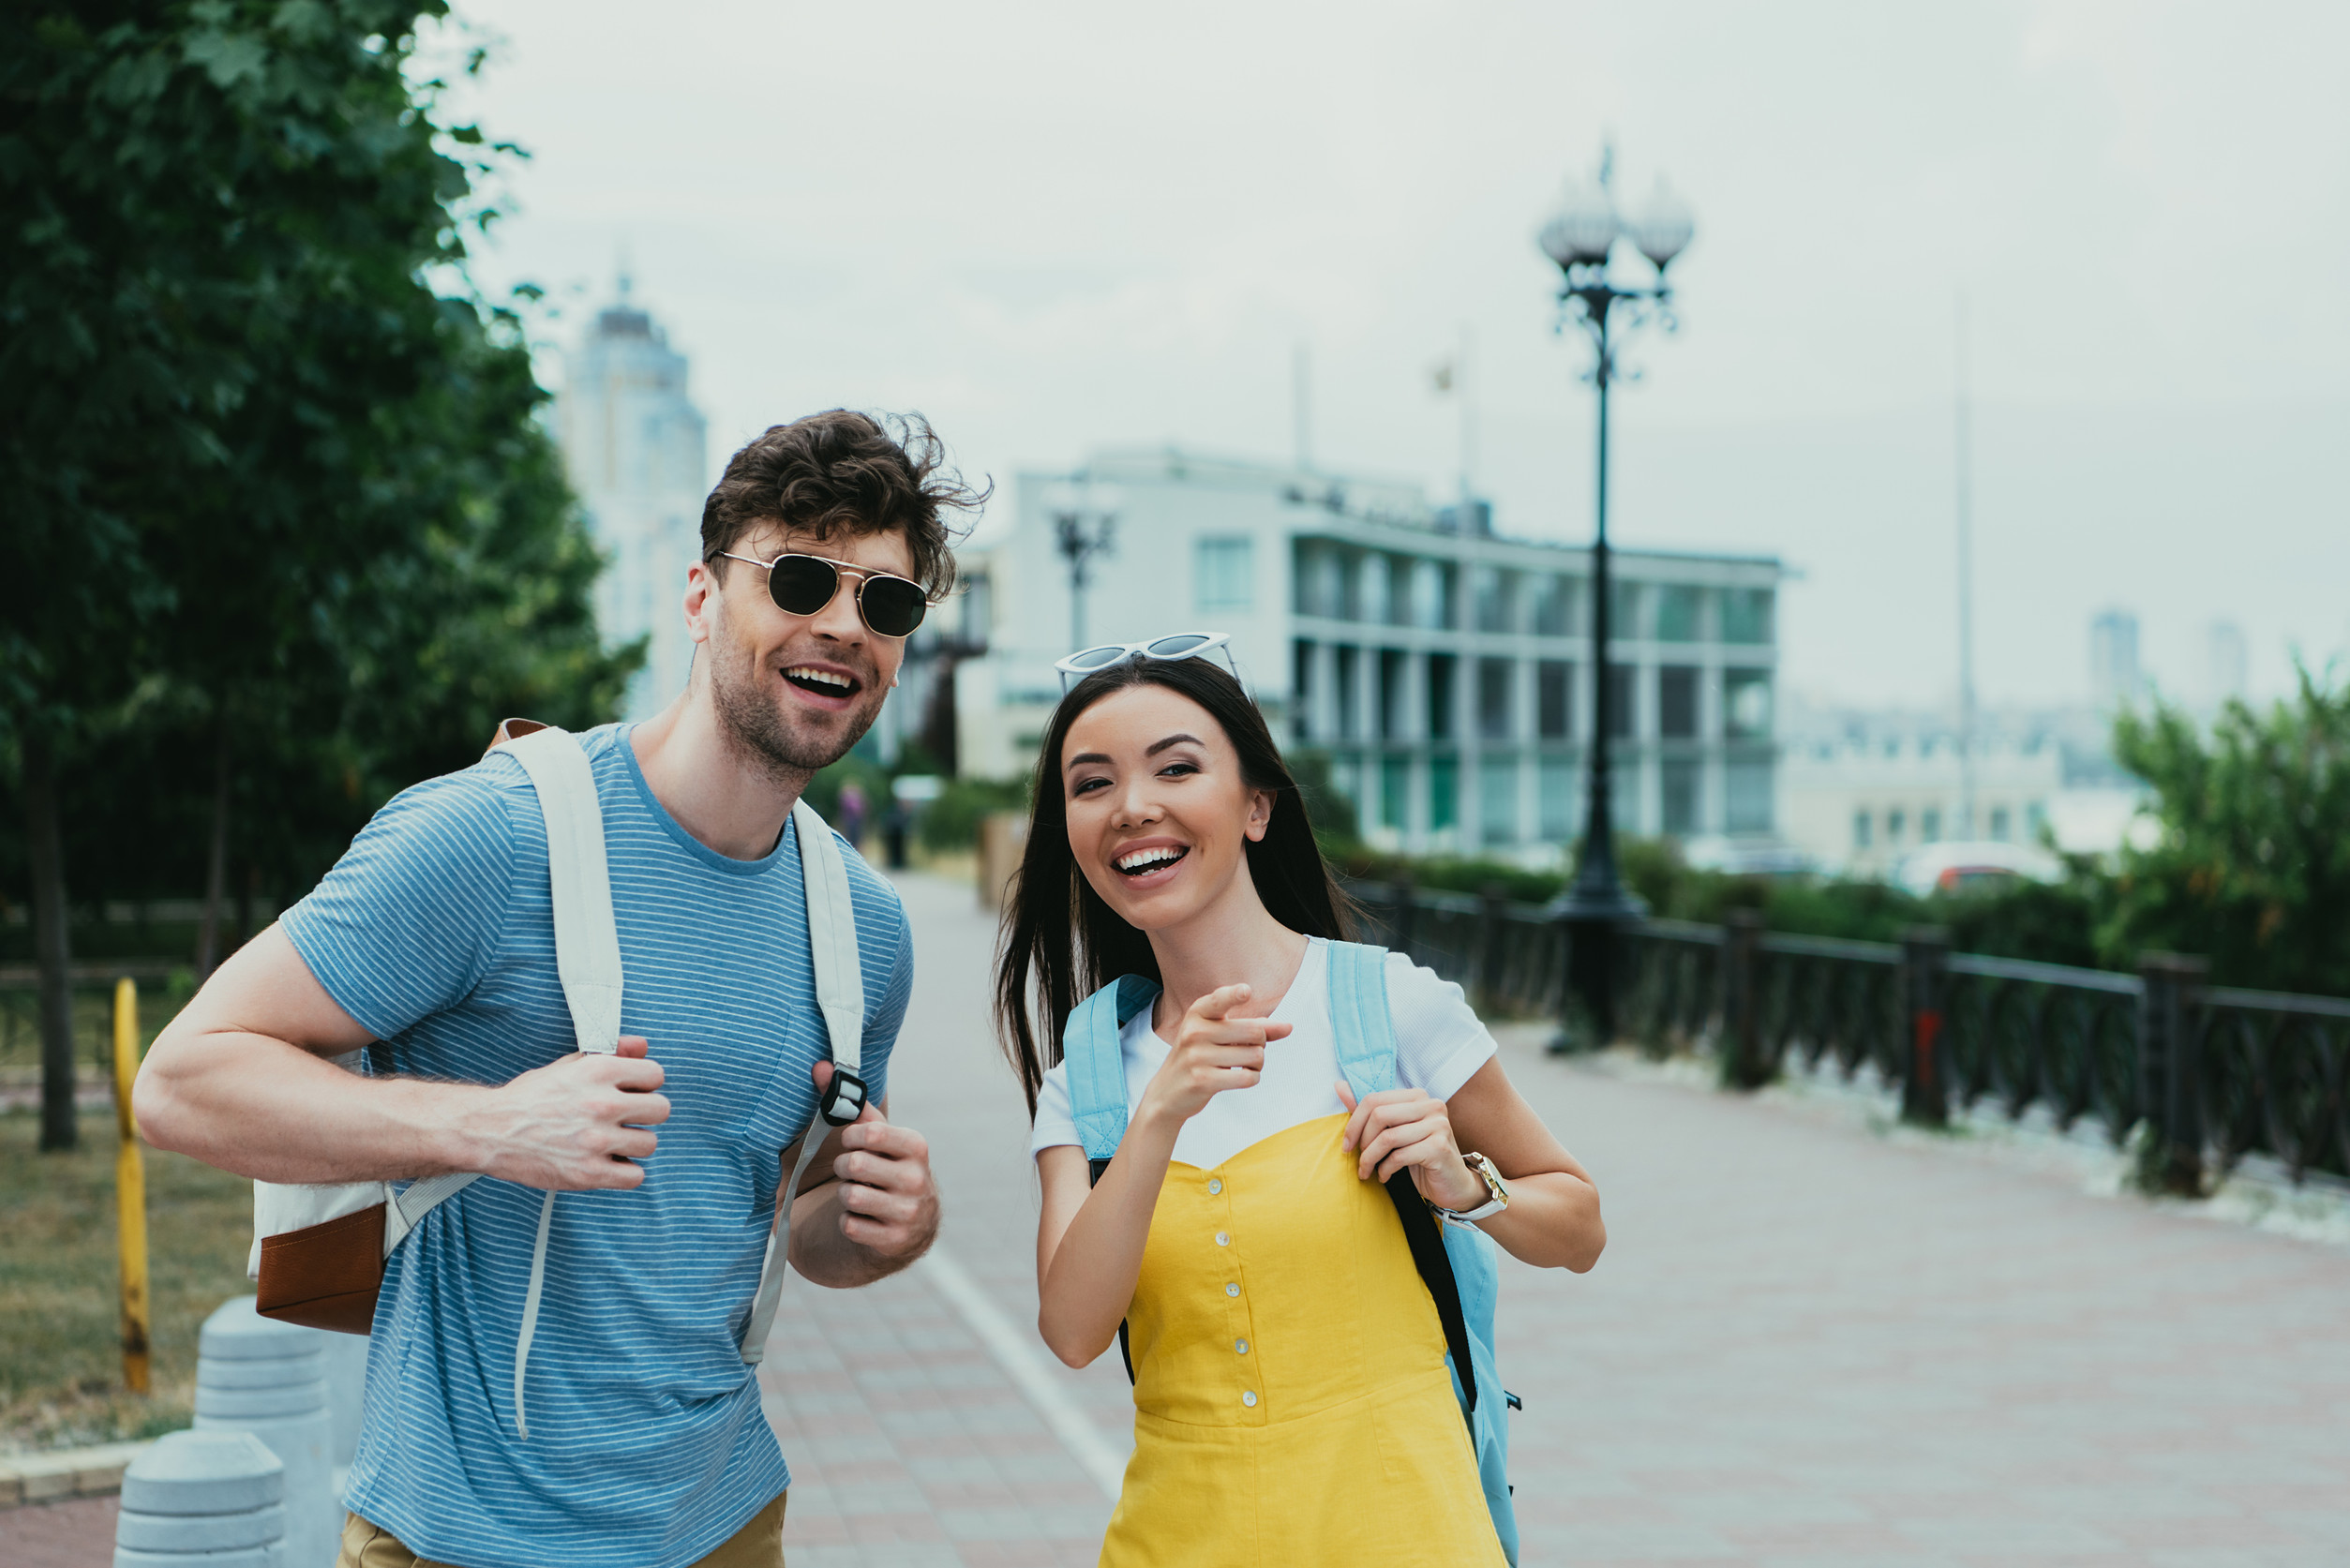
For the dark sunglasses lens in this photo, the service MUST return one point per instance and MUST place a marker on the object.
(893, 606)
(803, 585)
(1176, 646)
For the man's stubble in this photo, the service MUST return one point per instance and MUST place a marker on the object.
(752, 724)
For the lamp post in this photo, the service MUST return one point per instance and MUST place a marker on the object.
(1083, 532)
(1582, 237)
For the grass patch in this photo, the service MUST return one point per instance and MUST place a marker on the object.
(61, 1371)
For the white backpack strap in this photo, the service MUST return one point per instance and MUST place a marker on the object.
(840, 995)
(587, 960)
(587, 942)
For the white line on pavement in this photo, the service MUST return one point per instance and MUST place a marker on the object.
(1025, 1367)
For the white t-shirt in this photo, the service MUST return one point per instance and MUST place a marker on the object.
(1439, 1046)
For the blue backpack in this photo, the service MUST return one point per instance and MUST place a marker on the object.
(1456, 1261)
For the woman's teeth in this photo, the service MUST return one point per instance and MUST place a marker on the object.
(1148, 859)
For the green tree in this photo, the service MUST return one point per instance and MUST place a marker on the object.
(2252, 866)
(273, 495)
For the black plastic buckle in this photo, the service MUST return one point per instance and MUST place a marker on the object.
(844, 1098)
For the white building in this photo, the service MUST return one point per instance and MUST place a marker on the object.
(1445, 670)
(637, 449)
(2114, 677)
(1859, 803)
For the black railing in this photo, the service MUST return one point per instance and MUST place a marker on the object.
(2212, 1072)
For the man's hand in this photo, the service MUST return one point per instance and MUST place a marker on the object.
(889, 1204)
(580, 1122)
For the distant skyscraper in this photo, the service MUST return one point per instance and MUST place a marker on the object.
(2225, 663)
(637, 449)
(2114, 677)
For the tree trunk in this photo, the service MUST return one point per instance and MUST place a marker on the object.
(215, 863)
(52, 951)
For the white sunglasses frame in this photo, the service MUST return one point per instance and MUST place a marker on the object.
(1134, 652)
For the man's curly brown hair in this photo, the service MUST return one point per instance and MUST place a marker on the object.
(850, 471)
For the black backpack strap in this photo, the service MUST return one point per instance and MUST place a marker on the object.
(1093, 1174)
(1421, 1232)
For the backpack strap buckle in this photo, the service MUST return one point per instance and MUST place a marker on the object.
(844, 1098)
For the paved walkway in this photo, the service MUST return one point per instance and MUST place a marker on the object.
(1805, 1344)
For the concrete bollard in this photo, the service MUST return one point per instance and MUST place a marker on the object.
(269, 1378)
(213, 1499)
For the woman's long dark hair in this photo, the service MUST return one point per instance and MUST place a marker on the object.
(1063, 943)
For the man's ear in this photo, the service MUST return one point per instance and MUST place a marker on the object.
(705, 601)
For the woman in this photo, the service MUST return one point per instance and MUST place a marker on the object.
(1292, 1403)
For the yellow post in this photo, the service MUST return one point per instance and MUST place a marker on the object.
(131, 1189)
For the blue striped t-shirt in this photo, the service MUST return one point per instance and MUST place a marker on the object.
(647, 1448)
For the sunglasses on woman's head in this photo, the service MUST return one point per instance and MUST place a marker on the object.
(890, 606)
(1181, 645)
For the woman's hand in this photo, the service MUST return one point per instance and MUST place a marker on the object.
(1213, 1051)
(1401, 1129)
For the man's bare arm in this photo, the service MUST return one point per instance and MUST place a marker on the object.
(241, 1080)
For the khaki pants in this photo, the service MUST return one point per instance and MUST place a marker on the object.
(756, 1545)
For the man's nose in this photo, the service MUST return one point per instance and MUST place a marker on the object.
(838, 619)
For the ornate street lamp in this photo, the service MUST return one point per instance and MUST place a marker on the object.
(1582, 237)
(1085, 526)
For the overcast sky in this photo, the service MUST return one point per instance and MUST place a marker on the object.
(1054, 227)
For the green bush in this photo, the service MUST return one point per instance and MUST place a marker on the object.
(952, 821)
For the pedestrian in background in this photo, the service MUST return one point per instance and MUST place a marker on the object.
(849, 815)
(1292, 1401)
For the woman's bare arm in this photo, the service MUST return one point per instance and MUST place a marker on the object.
(1552, 1220)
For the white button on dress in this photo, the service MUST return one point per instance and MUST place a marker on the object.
(1250, 1400)
(1223, 1238)
(1232, 1290)
(1215, 1186)
(1240, 1347)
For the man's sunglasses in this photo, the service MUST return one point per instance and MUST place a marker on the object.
(892, 606)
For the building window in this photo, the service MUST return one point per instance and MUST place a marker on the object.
(1558, 791)
(1555, 598)
(1401, 574)
(1677, 702)
(2002, 823)
(1349, 659)
(1623, 723)
(1494, 695)
(1930, 824)
(1747, 704)
(1896, 823)
(1301, 689)
(1392, 724)
(1497, 800)
(1440, 678)
(1224, 574)
(1746, 615)
(1623, 611)
(1372, 587)
(1864, 828)
(1680, 782)
(1678, 605)
(1443, 793)
(1496, 600)
(1746, 797)
(1555, 711)
(1395, 792)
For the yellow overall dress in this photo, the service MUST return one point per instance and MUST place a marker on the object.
(1291, 1402)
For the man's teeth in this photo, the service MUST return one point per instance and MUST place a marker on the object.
(1144, 858)
(821, 677)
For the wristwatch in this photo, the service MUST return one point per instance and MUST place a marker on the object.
(1492, 1205)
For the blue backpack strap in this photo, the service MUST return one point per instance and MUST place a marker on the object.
(1097, 1066)
(1359, 1017)
(1455, 1261)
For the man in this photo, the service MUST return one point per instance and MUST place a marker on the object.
(431, 944)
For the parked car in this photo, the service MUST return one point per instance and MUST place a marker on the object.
(1982, 865)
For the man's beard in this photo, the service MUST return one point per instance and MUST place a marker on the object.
(749, 720)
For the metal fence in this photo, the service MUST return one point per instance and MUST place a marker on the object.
(2214, 1072)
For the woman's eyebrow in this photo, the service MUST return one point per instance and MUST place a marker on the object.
(1171, 741)
(1083, 757)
